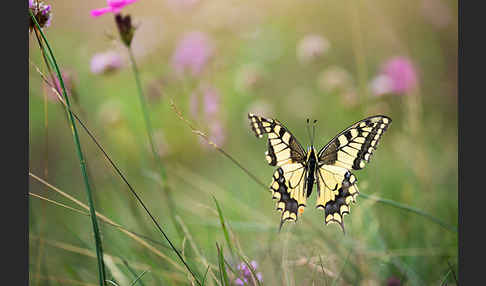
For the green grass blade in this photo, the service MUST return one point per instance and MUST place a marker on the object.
(205, 275)
(148, 124)
(99, 248)
(410, 209)
(223, 225)
(138, 278)
(222, 268)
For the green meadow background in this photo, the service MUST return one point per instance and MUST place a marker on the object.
(404, 232)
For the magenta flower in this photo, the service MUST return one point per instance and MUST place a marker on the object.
(104, 63)
(398, 75)
(193, 52)
(114, 6)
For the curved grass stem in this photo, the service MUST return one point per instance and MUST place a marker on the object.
(97, 237)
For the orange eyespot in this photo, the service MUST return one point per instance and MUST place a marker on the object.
(301, 210)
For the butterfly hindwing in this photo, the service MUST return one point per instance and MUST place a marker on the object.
(353, 147)
(336, 189)
(285, 152)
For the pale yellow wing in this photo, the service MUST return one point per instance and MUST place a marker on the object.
(288, 188)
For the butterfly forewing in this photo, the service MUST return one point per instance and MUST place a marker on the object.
(285, 152)
(353, 147)
(349, 150)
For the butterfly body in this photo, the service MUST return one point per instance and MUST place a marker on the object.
(311, 169)
(329, 168)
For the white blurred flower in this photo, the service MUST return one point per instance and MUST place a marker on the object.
(333, 78)
(107, 62)
(381, 84)
(312, 47)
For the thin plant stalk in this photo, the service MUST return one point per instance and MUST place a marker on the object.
(99, 249)
(148, 125)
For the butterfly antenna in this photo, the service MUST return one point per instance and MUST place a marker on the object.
(313, 131)
(308, 129)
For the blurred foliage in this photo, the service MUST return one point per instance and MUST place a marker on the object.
(254, 67)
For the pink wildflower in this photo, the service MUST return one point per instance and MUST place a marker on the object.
(398, 75)
(104, 63)
(192, 52)
(114, 6)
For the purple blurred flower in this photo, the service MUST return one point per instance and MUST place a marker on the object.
(42, 13)
(217, 132)
(107, 62)
(246, 277)
(114, 6)
(204, 105)
(211, 101)
(311, 47)
(192, 52)
(398, 75)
